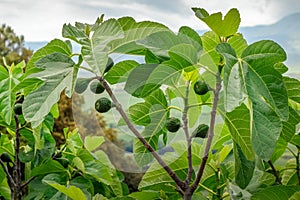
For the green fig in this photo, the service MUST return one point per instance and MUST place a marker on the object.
(200, 88)
(81, 85)
(201, 131)
(173, 124)
(103, 105)
(96, 87)
(5, 157)
(18, 109)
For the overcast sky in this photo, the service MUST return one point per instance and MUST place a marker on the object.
(42, 20)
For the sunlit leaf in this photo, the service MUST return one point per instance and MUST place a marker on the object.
(58, 74)
(223, 27)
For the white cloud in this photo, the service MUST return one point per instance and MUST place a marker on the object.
(43, 20)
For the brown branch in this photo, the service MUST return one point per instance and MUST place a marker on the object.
(275, 172)
(210, 134)
(181, 185)
(27, 182)
(297, 164)
(187, 135)
(17, 165)
(9, 177)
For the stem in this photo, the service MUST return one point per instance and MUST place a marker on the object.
(297, 165)
(187, 135)
(9, 177)
(179, 183)
(275, 172)
(175, 108)
(210, 134)
(17, 165)
(27, 182)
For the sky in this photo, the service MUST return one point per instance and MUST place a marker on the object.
(42, 20)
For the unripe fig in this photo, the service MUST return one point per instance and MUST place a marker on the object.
(103, 105)
(81, 84)
(200, 88)
(201, 131)
(173, 124)
(5, 157)
(18, 109)
(96, 87)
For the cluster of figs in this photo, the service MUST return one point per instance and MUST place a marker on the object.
(104, 104)
(173, 124)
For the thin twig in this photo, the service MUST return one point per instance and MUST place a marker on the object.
(181, 185)
(210, 134)
(17, 165)
(275, 172)
(27, 182)
(9, 177)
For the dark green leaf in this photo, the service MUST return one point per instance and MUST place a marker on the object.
(243, 168)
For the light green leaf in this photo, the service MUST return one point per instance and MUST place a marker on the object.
(120, 71)
(293, 89)
(156, 177)
(289, 127)
(93, 142)
(147, 78)
(275, 192)
(238, 122)
(7, 97)
(234, 80)
(134, 31)
(238, 43)
(244, 168)
(95, 50)
(79, 164)
(54, 46)
(71, 191)
(140, 112)
(210, 57)
(141, 154)
(223, 27)
(58, 74)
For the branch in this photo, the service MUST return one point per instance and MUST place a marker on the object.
(9, 177)
(27, 182)
(17, 166)
(172, 174)
(210, 134)
(274, 172)
(187, 135)
(297, 164)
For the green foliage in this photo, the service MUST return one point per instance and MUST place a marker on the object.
(250, 118)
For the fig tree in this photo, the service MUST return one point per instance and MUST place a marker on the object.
(18, 109)
(201, 131)
(173, 124)
(97, 87)
(81, 85)
(103, 105)
(200, 88)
